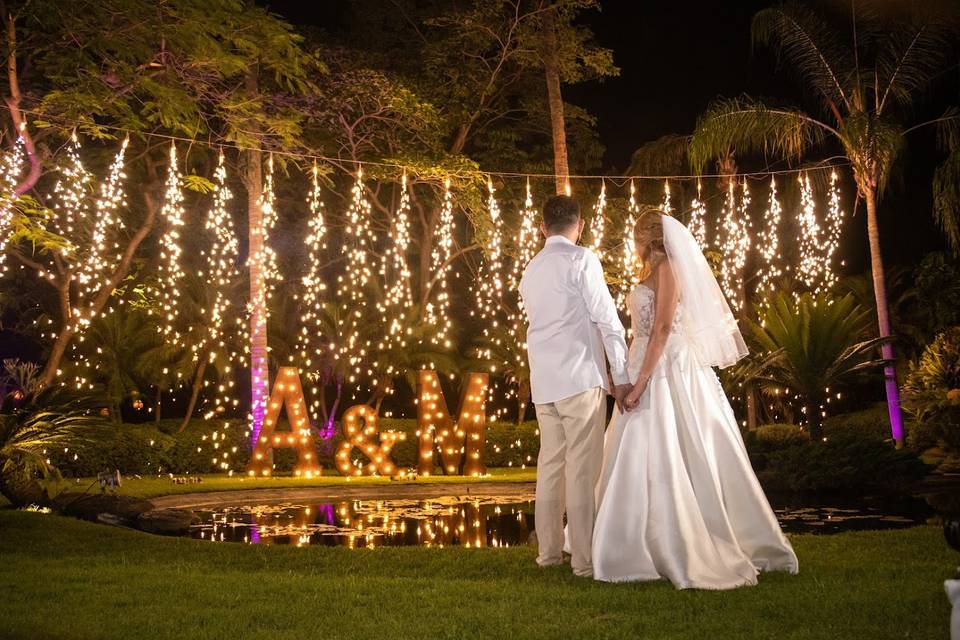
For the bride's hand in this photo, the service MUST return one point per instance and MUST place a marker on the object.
(633, 398)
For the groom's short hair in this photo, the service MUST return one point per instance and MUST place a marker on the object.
(560, 213)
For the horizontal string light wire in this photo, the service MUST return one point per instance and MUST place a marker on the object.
(618, 180)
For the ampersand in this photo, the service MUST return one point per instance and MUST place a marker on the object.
(360, 428)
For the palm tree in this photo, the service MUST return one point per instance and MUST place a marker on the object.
(865, 89)
(820, 345)
(47, 419)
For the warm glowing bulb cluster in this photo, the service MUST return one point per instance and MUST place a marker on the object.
(735, 244)
(769, 244)
(170, 271)
(698, 219)
(11, 166)
(438, 309)
(598, 223)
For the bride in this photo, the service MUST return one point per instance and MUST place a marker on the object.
(677, 496)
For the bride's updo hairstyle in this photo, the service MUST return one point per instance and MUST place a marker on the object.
(648, 240)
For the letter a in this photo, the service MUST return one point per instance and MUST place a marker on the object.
(288, 393)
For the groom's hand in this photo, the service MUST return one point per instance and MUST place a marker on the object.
(620, 392)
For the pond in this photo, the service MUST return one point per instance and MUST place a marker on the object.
(497, 521)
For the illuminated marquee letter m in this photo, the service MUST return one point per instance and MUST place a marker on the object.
(437, 429)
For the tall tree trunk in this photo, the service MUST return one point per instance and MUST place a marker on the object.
(883, 318)
(523, 400)
(253, 182)
(815, 419)
(751, 391)
(551, 67)
(195, 389)
(158, 405)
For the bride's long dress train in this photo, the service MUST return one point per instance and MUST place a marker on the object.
(677, 496)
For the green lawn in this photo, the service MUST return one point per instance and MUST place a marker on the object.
(63, 578)
(161, 486)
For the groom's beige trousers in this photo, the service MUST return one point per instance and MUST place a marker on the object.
(568, 467)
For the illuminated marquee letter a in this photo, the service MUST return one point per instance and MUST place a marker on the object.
(288, 393)
(436, 428)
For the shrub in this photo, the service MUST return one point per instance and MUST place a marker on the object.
(145, 449)
(847, 462)
(932, 393)
(872, 423)
(767, 439)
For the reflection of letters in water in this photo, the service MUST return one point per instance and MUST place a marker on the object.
(461, 443)
(287, 393)
(454, 440)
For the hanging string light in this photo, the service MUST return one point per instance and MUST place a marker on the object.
(629, 255)
(834, 224)
(10, 169)
(395, 274)
(264, 274)
(597, 222)
(171, 272)
(811, 263)
(698, 219)
(769, 244)
(489, 285)
(70, 195)
(353, 285)
(735, 244)
(312, 335)
(438, 311)
(103, 255)
(666, 206)
(221, 272)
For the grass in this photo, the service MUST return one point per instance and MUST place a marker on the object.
(152, 487)
(63, 578)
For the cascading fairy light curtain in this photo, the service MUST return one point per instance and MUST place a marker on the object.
(10, 169)
(438, 308)
(170, 270)
(698, 219)
(769, 243)
(350, 294)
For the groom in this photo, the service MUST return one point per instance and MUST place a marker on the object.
(572, 321)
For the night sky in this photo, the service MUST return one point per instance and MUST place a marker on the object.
(675, 57)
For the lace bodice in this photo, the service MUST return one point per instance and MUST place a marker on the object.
(641, 303)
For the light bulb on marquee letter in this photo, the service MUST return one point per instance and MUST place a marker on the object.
(287, 393)
(454, 440)
(361, 438)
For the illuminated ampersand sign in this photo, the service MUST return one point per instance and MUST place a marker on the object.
(288, 393)
(362, 438)
(436, 427)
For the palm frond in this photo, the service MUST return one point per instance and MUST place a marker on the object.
(911, 56)
(801, 35)
(665, 155)
(946, 198)
(748, 125)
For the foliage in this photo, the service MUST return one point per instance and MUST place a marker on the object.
(870, 423)
(933, 392)
(822, 346)
(145, 449)
(847, 462)
(30, 431)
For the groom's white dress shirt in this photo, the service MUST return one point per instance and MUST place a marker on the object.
(572, 320)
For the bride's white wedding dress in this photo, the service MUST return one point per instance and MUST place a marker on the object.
(677, 496)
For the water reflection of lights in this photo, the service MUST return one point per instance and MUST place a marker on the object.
(473, 522)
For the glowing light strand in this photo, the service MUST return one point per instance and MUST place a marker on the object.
(698, 219)
(769, 244)
(171, 272)
(438, 310)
